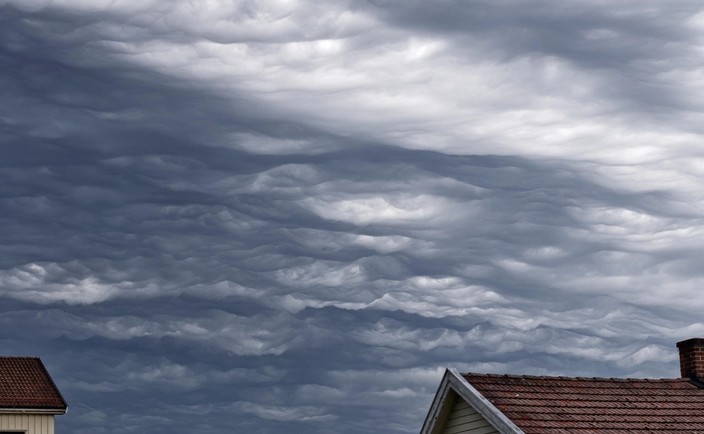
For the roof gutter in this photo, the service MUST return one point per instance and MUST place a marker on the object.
(33, 410)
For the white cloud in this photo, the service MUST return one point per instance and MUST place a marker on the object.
(393, 210)
(286, 414)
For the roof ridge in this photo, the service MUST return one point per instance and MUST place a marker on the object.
(578, 378)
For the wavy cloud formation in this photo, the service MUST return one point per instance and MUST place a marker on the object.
(290, 216)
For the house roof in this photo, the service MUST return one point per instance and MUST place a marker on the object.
(26, 384)
(551, 405)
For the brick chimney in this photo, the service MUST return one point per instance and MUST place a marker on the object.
(692, 358)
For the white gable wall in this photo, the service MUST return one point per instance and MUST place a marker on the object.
(463, 419)
(28, 423)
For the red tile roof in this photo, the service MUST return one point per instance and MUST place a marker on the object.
(25, 383)
(551, 405)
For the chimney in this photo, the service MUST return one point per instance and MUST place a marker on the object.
(692, 358)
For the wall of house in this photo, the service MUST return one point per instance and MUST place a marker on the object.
(465, 420)
(29, 423)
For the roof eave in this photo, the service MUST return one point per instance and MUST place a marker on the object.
(452, 379)
(55, 411)
(46, 372)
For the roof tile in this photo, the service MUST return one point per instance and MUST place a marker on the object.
(555, 405)
(25, 383)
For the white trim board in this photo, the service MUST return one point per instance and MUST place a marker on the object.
(453, 380)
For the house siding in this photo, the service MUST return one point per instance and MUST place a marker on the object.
(29, 423)
(465, 420)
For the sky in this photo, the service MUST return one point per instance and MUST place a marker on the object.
(290, 216)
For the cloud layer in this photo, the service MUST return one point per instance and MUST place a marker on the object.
(286, 216)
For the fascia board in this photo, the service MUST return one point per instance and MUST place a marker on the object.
(436, 406)
(14, 410)
(483, 406)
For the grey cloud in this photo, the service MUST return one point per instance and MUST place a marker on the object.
(587, 33)
(637, 55)
(179, 255)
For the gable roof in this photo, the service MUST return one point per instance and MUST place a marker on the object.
(26, 384)
(542, 405)
(521, 404)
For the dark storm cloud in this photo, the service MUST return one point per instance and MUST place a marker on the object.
(277, 244)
